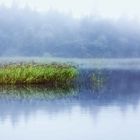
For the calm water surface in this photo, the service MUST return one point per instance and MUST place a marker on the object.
(110, 111)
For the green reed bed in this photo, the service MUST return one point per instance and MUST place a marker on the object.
(51, 74)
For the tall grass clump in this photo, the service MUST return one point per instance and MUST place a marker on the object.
(51, 74)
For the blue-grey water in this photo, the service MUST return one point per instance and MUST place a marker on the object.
(108, 111)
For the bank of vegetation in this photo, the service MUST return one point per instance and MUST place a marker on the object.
(48, 74)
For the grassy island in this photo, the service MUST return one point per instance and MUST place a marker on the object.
(50, 74)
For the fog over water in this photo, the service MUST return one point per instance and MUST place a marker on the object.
(101, 38)
(24, 31)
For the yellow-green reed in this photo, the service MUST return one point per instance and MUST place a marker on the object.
(54, 74)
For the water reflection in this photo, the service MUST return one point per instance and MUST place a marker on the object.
(121, 90)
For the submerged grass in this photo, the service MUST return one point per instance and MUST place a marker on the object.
(98, 79)
(51, 74)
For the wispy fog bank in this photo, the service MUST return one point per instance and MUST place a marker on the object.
(26, 32)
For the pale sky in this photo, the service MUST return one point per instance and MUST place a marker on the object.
(108, 8)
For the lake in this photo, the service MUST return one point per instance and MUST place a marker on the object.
(108, 111)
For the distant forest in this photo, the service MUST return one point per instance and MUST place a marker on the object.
(26, 32)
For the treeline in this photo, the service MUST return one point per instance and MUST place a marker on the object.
(25, 32)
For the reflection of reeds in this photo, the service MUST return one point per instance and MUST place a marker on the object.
(50, 74)
(35, 92)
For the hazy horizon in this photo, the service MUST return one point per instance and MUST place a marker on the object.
(78, 8)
